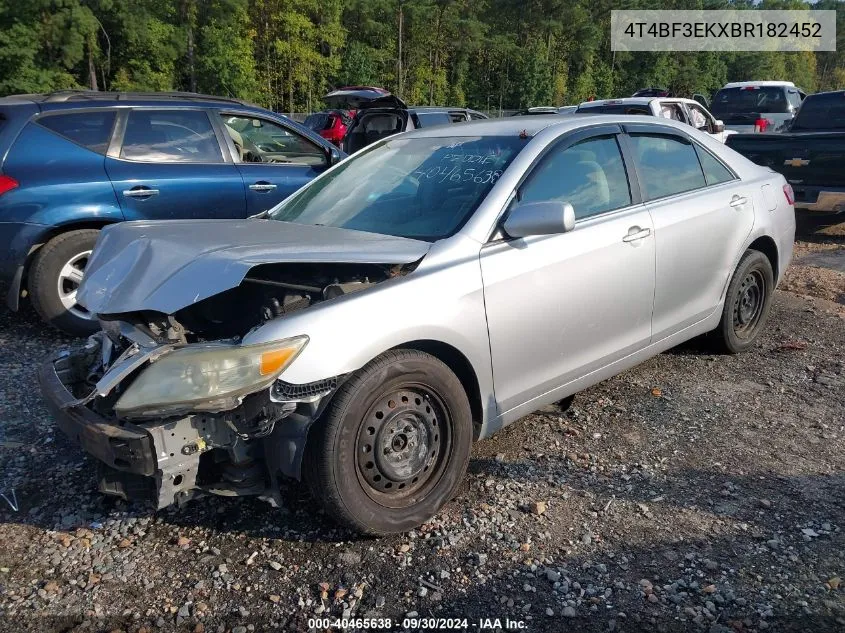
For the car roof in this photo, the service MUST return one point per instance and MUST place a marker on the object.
(743, 84)
(528, 125)
(65, 99)
(63, 96)
(637, 101)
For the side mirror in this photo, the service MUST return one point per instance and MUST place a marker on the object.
(543, 217)
(334, 156)
(719, 126)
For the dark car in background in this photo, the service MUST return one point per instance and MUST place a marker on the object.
(757, 106)
(811, 155)
(76, 161)
(389, 115)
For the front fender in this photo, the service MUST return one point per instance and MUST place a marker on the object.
(438, 303)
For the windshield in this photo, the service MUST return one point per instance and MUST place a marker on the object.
(421, 188)
(750, 100)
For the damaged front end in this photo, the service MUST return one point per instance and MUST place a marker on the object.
(175, 406)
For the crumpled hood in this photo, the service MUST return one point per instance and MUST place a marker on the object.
(166, 265)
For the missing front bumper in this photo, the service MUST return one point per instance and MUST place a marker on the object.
(233, 453)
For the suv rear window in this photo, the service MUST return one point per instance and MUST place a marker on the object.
(89, 129)
(750, 99)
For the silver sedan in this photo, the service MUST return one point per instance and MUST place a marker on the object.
(418, 296)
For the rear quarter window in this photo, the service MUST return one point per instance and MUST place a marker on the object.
(89, 129)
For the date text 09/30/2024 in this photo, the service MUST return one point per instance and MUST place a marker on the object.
(419, 624)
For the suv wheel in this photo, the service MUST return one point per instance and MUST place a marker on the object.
(54, 278)
(393, 446)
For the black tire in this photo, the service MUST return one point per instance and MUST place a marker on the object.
(365, 464)
(44, 281)
(747, 304)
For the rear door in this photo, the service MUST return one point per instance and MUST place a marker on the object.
(273, 159)
(169, 164)
(702, 214)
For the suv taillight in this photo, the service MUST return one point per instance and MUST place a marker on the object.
(761, 124)
(7, 183)
(790, 195)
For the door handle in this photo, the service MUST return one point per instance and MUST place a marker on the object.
(140, 192)
(262, 186)
(635, 234)
(738, 201)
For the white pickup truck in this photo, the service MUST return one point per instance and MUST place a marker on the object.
(684, 110)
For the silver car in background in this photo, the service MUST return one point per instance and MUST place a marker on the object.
(418, 296)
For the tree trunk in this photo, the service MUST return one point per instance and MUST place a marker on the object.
(190, 17)
(192, 71)
(399, 58)
(290, 86)
(92, 69)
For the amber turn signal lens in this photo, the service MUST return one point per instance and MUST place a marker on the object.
(273, 362)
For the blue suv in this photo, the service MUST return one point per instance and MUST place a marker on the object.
(72, 162)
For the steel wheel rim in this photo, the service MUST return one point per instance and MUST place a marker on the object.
(70, 276)
(403, 445)
(748, 305)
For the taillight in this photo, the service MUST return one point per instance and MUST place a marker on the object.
(761, 124)
(7, 183)
(790, 195)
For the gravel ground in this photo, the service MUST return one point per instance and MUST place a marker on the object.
(693, 493)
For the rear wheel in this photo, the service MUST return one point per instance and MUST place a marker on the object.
(393, 446)
(747, 303)
(54, 278)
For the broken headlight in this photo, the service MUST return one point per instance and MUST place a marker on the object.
(207, 377)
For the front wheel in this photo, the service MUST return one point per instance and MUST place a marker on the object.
(747, 303)
(393, 445)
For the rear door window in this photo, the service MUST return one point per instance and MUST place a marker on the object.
(667, 165)
(793, 98)
(89, 129)
(672, 111)
(170, 136)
